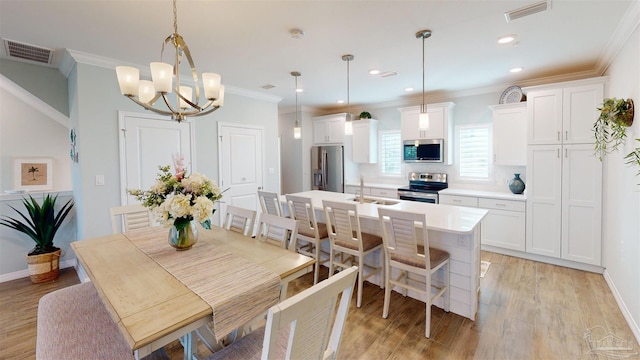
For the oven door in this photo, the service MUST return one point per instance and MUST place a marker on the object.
(426, 197)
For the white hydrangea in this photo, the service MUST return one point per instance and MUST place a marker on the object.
(179, 205)
(202, 209)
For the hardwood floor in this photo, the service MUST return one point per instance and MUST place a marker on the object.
(527, 310)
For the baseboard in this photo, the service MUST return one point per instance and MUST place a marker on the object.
(623, 307)
(25, 273)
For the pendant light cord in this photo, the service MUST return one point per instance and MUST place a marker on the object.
(348, 101)
(423, 107)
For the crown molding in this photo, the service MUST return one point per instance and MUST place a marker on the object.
(627, 25)
(33, 101)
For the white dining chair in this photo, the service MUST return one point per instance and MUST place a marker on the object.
(308, 325)
(406, 244)
(240, 220)
(277, 231)
(129, 217)
(311, 233)
(348, 244)
(270, 203)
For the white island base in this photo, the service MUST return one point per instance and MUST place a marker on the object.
(451, 228)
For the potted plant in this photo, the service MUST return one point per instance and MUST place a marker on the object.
(41, 224)
(365, 115)
(610, 127)
(633, 158)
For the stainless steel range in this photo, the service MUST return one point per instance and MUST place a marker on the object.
(423, 187)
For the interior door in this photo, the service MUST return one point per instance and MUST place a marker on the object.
(146, 142)
(241, 163)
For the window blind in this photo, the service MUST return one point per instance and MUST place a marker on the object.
(390, 152)
(474, 151)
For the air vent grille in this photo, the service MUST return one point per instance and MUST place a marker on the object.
(268, 86)
(388, 74)
(29, 52)
(527, 10)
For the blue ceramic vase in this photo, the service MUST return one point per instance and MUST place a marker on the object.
(516, 185)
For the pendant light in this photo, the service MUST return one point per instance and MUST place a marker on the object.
(297, 131)
(348, 126)
(423, 122)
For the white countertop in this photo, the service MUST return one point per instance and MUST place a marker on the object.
(484, 194)
(445, 218)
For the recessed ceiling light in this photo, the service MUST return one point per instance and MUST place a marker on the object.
(299, 90)
(408, 89)
(374, 72)
(506, 39)
(515, 70)
(340, 101)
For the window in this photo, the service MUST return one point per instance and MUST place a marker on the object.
(390, 152)
(474, 151)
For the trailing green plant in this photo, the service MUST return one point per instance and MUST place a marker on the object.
(633, 158)
(41, 222)
(610, 128)
(365, 115)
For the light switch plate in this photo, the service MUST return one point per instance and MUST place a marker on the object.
(100, 180)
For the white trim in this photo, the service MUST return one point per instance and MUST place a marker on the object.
(627, 25)
(635, 328)
(25, 273)
(544, 259)
(33, 101)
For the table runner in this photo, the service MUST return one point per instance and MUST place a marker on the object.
(236, 289)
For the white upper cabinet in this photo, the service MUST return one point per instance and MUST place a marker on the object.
(365, 141)
(439, 122)
(563, 115)
(329, 129)
(510, 134)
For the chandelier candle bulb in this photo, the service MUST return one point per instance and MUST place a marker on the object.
(211, 84)
(146, 91)
(128, 78)
(162, 75)
(187, 93)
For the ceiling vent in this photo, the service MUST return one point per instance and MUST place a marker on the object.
(18, 50)
(527, 10)
(388, 74)
(268, 86)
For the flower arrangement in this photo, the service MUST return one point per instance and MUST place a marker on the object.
(176, 200)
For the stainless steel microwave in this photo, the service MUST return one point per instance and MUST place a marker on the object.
(423, 150)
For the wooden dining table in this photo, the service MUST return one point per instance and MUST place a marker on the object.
(154, 303)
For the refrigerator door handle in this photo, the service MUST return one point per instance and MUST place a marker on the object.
(324, 169)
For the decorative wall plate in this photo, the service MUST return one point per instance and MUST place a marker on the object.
(512, 94)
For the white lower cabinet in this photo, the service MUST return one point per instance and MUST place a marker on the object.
(505, 224)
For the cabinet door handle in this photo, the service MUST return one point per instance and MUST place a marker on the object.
(558, 135)
(494, 157)
(500, 205)
(565, 153)
(457, 201)
(558, 155)
(566, 135)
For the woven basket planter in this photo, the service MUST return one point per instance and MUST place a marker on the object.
(44, 267)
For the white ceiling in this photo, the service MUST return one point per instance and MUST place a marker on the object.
(249, 44)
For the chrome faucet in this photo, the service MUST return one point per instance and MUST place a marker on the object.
(361, 189)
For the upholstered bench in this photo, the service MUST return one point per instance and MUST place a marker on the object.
(73, 323)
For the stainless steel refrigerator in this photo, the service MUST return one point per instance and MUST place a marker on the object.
(327, 168)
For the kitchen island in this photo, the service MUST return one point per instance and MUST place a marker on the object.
(451, 228)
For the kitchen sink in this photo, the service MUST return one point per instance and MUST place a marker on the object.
(374, 201)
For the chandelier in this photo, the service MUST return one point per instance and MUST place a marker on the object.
(348, 124)
(297, 131)
(423, 121)
(146, 93)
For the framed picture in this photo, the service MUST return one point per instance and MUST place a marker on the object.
(33, 174)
